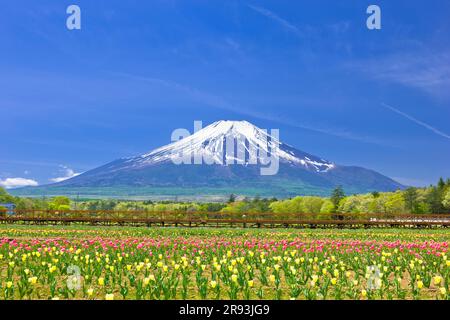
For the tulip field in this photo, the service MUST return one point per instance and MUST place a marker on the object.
(106, 263)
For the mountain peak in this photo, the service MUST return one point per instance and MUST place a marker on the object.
(213, 142)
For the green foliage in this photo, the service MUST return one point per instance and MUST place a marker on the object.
(327, 206)
(64, 207)
(336, 197)
(256, 205)
(59, 203)
(5, 197)
(446, 201)
(441, 184)
(433, 199)
(395, 203)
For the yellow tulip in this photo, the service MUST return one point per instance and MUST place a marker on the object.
(109, 296)
(419, 284)
(32, 280)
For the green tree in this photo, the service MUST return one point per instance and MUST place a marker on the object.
(59, 203)
(441, 184)
(410, 197)
(395, 203)
(446, 200)
(64, 207)
(312, 204)
(5, 196)
(434, 200)
(327, 206)
(336, 197)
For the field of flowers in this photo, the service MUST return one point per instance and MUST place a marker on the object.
(44, 262)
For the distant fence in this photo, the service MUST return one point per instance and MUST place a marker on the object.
(218, 219)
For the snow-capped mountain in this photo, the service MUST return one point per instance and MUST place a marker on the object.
(223, 158)
(230, 143)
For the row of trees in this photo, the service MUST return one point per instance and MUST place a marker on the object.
(433, 199)
(56, 203)
(430, 200)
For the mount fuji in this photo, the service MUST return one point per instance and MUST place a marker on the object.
(231, 168)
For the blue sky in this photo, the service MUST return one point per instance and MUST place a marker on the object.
(74, 100)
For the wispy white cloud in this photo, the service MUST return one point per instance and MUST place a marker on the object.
(10, 183)
(420, 123)
(218, 102)
(68, 173)
(271, 15)
(419, 69)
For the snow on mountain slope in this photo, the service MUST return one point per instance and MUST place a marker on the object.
(231, 142)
